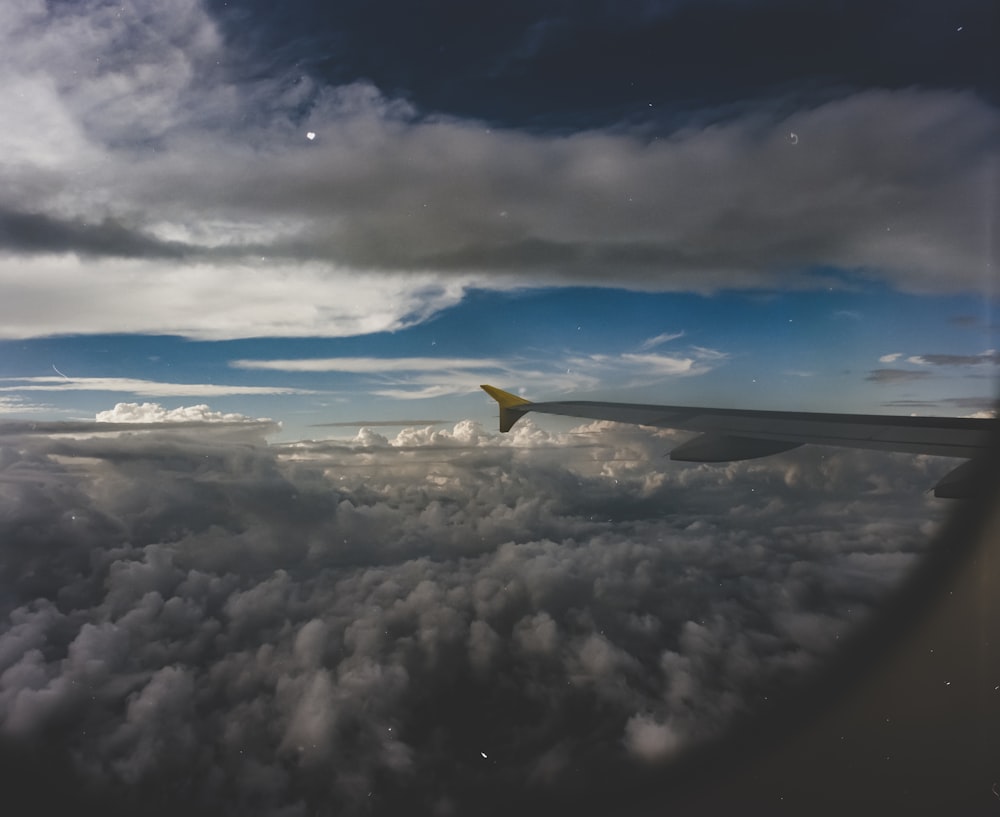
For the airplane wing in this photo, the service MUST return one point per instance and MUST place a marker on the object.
(739, 434)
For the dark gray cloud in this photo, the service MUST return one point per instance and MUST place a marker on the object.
(981, 403)
(956, 360)
(39, 233)
(895, 375)
(443, 620)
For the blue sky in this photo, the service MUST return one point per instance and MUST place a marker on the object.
(812, 350)
(359, 214)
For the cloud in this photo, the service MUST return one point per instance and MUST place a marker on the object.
(386, 423)
(904, 375)
(659, 340)
(429, 384)
(987, 357)
(136, 386)
(649, 740)
(663, 364)
(154, 176)
(985, 405)
(966, 321)
(277, 629)
(420, 378)
(427, 392)
(895, 376)
(368, 365)
(649, 366)
(16, 405)
(155, 413)
(32, 233)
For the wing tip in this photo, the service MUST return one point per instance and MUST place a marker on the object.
(510, 406)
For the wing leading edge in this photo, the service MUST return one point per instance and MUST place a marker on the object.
(737, 434)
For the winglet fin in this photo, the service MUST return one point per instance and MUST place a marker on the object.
(510, 412)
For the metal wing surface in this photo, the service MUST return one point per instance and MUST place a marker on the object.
(735, 434)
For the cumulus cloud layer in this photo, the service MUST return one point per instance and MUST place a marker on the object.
(155, 413)
(446, 620)
(149, 177)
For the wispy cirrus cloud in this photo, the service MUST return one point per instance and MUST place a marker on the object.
(991, 356)
(970, 402)
(414, 378)
(17, 405)
(660, 364)
(379, 423)
(659, 340)
(927, 362)
(150, 388)
(429, 384)
(697, 360)
(371, 365)
(895, 376)
(984, 406)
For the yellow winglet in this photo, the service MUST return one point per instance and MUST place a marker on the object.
(509, 413)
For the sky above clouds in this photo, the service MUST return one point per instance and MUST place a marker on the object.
(263, 546)
(346, 181)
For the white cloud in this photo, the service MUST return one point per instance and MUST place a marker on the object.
(155, 413)
(649, 740)
(211, 301)
(419, 378)
(365, 365)
(891, 358)
(659, 340)
(987, 358)
(663, 364)
(704, 353)
(650, 366)
(136, 386)
(426, 392)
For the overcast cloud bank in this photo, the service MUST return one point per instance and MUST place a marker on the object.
(150, 177)
(428, 619)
